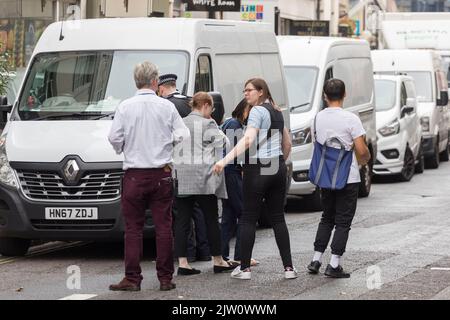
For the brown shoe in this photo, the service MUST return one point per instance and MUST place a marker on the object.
(166, 286)
(125, 285)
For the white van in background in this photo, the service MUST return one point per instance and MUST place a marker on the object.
(398, 127)
(308, 63)
(55, 157)
(425, 67)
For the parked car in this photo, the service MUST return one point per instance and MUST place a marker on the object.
(308, 63)
(60, 178)
(398, 127)
(425, 67)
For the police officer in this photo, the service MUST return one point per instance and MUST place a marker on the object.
(198, 248)
(167, 88)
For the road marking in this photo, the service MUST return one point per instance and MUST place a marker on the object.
(441, 269)
(39, 252)
(79, 297)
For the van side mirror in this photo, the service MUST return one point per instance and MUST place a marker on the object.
(219, 109)
(5, 108)
(409, 107)
(443, 101)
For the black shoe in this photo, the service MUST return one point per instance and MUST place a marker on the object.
(314, 267)
(337, 272)
(220, 269)
(204, 258)
(187, 272)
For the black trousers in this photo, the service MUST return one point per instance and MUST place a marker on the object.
(339, 207)
(259, 185)
(208, 205)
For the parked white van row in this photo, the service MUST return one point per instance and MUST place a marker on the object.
(54, 152)
(308, 63)
(425, 67)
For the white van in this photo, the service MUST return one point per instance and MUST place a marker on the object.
(308, 63)
(425, 67)
(57, 168)
(398, 127)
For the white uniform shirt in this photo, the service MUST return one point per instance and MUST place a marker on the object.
(343, 124)
(145, 128)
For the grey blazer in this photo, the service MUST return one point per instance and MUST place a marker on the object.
(194, 158)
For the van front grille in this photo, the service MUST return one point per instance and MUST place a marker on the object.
(104, 224)
(93, 185)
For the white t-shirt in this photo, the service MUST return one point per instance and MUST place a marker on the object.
(344, 125)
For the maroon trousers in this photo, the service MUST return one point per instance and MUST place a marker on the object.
(151, 188)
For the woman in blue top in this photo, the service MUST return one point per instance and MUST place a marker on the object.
(268, 144)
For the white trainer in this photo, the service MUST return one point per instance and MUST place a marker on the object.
(290, 273)
(240, 274)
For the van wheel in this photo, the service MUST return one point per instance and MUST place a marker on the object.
(433, 161)
(420, 166)
(314, 201)
(366, 180)
(14, 246)
(444, 155)
(408, 166)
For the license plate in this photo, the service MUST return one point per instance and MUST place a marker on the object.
(71, 213)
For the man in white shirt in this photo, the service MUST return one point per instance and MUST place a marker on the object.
(339, 206)
(145, 128)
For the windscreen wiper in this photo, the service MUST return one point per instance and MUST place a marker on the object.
(300, 105)
(69, 115)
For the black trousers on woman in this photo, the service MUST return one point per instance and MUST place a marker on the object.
(208, 205)
(261, 183)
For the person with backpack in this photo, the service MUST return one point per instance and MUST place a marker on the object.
(265, 174)
(339, 145)
(232, 207)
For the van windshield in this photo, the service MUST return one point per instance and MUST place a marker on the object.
(87, 85)
(301, 83)
(385, 94)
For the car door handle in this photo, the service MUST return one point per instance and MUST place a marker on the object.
(365, 111)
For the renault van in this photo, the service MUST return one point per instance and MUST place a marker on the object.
(59, 177)
(398, 127)
(308, 63)
(425, 67)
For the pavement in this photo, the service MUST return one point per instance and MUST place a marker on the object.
(399, 248)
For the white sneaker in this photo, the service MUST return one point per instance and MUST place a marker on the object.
(240, 274)
(290, 274)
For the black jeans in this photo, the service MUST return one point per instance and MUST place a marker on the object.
(339, 207)
(210, 209)
(231, 212)
(258, 185)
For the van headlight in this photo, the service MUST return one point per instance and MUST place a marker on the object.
(301, 137)
(390, 129)
(7, 176)
(425, 123)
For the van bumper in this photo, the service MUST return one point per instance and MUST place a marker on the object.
(428, 144)
(22, 218)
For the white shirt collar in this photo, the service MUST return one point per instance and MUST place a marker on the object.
(145, 91)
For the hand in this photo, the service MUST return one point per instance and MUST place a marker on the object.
(218, 167)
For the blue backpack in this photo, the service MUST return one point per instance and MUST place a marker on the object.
(330, 166)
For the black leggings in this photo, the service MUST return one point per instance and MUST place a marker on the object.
(259, 185)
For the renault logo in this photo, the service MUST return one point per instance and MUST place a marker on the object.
(71, 170)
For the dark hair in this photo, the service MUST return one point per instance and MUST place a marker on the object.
(199, 99)
(334, 89)
(239, 112)
(261, 84)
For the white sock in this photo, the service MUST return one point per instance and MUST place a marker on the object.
(334, 262)
(317, 256)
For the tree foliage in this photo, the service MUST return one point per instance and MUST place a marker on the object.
(4, 71)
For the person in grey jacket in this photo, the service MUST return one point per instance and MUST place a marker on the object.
(194, 162)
